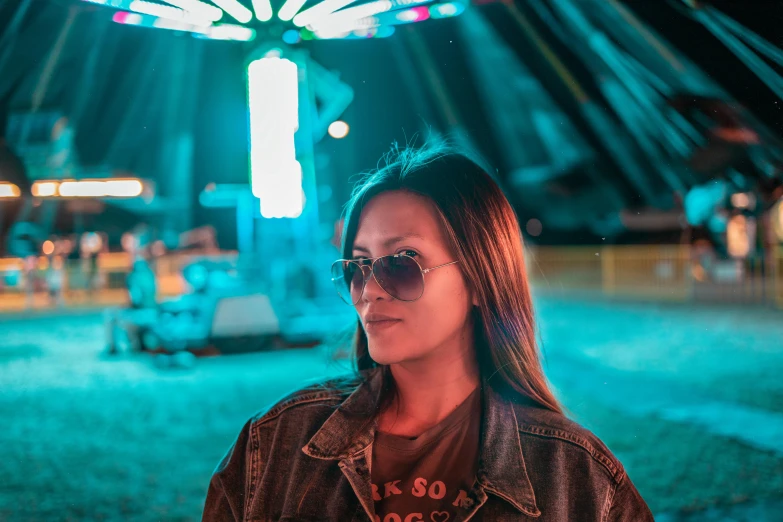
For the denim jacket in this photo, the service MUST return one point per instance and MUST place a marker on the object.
(308, 458)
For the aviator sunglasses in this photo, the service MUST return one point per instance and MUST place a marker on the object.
(399, 275)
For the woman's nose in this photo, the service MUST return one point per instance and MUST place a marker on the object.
(373, 291)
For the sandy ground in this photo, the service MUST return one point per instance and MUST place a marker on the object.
(87, 437)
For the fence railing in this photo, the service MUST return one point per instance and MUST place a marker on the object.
(658, 272)
(82, 282)
(645, 272)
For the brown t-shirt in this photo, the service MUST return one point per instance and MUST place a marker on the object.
(426, 478)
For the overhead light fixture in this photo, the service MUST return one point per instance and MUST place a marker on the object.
(45, 189)
(326, 19)
(9, 190)
(89, 188)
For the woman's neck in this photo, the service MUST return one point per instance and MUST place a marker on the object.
(428, 391)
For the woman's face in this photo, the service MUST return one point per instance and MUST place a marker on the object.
(437, 324)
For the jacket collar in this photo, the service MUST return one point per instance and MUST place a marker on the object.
(502, 470)
(351, 428)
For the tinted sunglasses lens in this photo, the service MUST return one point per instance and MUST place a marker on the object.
(348, 281)
(400, 276)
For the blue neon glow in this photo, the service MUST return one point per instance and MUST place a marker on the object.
(291, 37)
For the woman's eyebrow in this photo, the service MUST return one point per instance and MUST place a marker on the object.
(391, 241)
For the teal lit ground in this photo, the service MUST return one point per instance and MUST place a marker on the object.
(690, 398)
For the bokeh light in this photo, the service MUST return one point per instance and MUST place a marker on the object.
(339, 130)
(534, 227)
(47, 248)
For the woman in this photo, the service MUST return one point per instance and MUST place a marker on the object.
(449, 417)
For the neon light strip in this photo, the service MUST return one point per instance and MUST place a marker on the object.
(94, 188)
(119, 4)
(168, 12)
(9, 190)
(347, 17)
(234, 32)
(210, 12)
(263, 10)
(289, 9)
(45, 189)
(342, 24)
(235, 9)
(273, 99)
(362, 11)
(359, 34)
(140, 20)
(325, 8)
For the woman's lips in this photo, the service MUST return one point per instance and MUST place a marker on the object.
(379, 326)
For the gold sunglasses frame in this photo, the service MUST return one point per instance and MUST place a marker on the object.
(366, 278)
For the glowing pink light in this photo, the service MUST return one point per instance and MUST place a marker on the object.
(124, 17)
(414, 14)
(422, 13)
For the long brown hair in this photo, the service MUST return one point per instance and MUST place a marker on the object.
(484, 232)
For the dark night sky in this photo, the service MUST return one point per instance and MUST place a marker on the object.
(392, 102)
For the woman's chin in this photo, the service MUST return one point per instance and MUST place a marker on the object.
(387, 355)
(390, 354)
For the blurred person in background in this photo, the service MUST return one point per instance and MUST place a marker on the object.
(142, 312)
(55, 278)
(90, 245)
(30, 276)
(449, 415)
